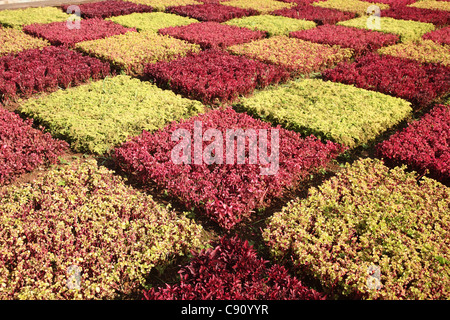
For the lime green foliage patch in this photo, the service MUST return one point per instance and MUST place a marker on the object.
(406, 29)
(152, 21)
(273, 25)
(21, 17)
(161, 5)
(81, 216)
(369, 232)
(100, 115)
(133, 50)
(332, 111)
(14, 41)
(263, 6)
(349, 5)
(422, 51)
(432, 4)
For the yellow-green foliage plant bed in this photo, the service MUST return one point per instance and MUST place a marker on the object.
(356, 6)
(329, 110)
(371, 233)
(21, 17)
(426, 51)
(273, 25)
(14, 41)
(162, 5)
(133, 50)
(263, 6)
(406, 29)
(152, 21)
(100, 115)
(432, 4)
(79, 232)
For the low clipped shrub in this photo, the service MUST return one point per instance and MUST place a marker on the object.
(359, 40)
(436, 17)
(233, 271)
(431, 4)
(108, 8)
(423, 145)
(297, 56)
(213, 35)
(441, 36)
(211, 12)
(13, 41)
(273, 25)
(356, 6)
(97, 116)
(131, 51)
(58, 34)
(23, 148)
(21, 17)
(263, 6)
(152, 21)
(317, 14)
(407, 30)
(404, 78)
(162, 5)
(213, 76)
(369, 233)
(46, 69)
(81, 216)
(426, 51)
(333, 111)
(225, 191)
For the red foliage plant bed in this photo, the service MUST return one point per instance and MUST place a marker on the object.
(57, 33)
(317, 14)
(211, 12)
(213, 34)
(403, 78)
(46, 69)
(109, 8)
(436, 17)
(441, 36)
(423, 145)
(225, 191)
(214, 76)
(23, 148)
(360, 40)
(233, 271)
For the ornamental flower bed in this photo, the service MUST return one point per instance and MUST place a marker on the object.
(46, 69)
(211, 12)
(263, 6)
(357, 6)
(441, 36)
(80, 216)
(233, 271)
(317, 14)
(131, 51)
(152, 21)
(436, 17)
(423, 145)
(21, 17)
(369, 233)
(162, 5)
(213, 35)
(214, 77)
(97, 116)
(226, 192)
(109, 8)
(361, 41)
(428, 4)
(23, 148)
(273, 25)
(333, 111)
(404, 78)
(58, 34)
(297, 56)
(13, 41)
(422, 51)
(406, 29)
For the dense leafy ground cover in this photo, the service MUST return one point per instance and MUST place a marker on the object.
(333, 131)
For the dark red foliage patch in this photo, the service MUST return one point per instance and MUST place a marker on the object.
(109, 8)
(213, 34)
(214, 76)
(57, 33)
(317, 14)
(23, 148)
(441, 36)
(360, 40)
(436, 17)
(233, 271)
(211, 12)
(423, 145)
(403, 78)
(46, 69)
(227, 191)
